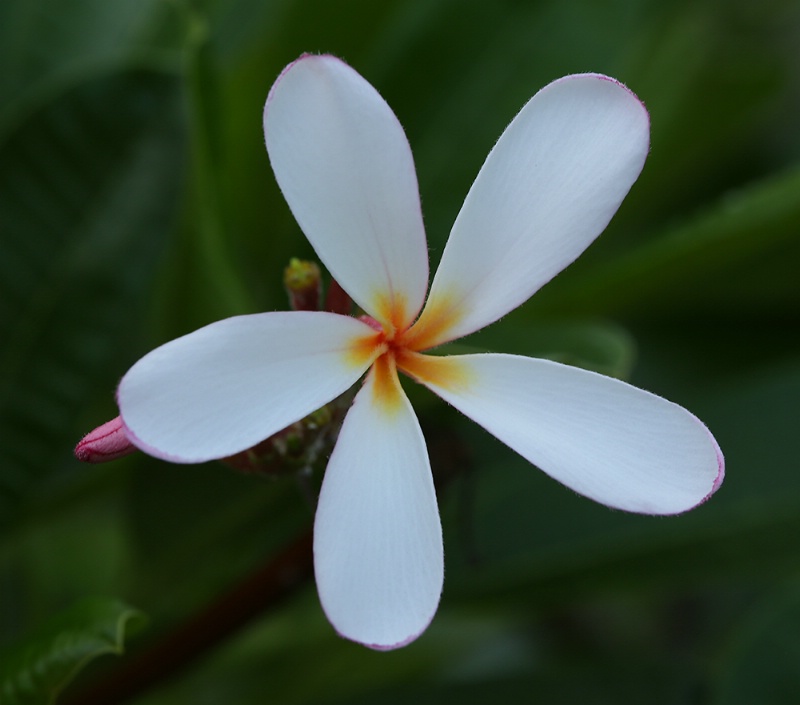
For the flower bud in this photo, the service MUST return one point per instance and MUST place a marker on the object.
(303, 283)
(106, 442)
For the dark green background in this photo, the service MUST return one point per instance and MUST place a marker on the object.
(137, 203)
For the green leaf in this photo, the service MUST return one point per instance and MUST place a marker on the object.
(179, 516)
(50, 46)
(761, 663)
(531, 541)
(595, 683)
(35, 671)
(594, 345)
(88, 190)
(737, 257)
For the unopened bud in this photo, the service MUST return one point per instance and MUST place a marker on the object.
(106, 442)
(303, 283)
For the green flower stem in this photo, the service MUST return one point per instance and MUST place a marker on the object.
(216, 263)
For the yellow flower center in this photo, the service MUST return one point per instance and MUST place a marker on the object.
(392, 347)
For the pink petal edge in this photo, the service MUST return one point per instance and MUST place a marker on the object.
(153, 451)
(720, 469)
(387, 647)
(610, 79)
(303, 57)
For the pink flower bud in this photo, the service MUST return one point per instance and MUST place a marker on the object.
(106, 442)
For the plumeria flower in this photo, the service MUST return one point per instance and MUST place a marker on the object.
(548, 188)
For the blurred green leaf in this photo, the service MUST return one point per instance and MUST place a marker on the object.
(595, 683)
(711, 78)
(462, 652)
(594, 345)
(88, 189)
(762, 663)
(35, 671)
(307, 662)
(178, 517)
(519, 544)
(51, 46)
(220, 283)
(526, 541)
(737, 258)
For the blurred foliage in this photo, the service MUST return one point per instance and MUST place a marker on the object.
(136, 203)
(36, 671)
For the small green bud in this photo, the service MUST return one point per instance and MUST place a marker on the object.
(303, 283)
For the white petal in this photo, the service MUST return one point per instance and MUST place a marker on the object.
(603, 438)
(378, 552)
(230, 385)
(343, 162)
(546, 191)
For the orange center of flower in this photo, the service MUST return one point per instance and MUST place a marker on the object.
(393, 347)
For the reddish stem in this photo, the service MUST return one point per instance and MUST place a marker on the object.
(338, 300)
(257, 593)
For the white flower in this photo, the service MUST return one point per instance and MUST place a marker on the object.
(548, 188)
